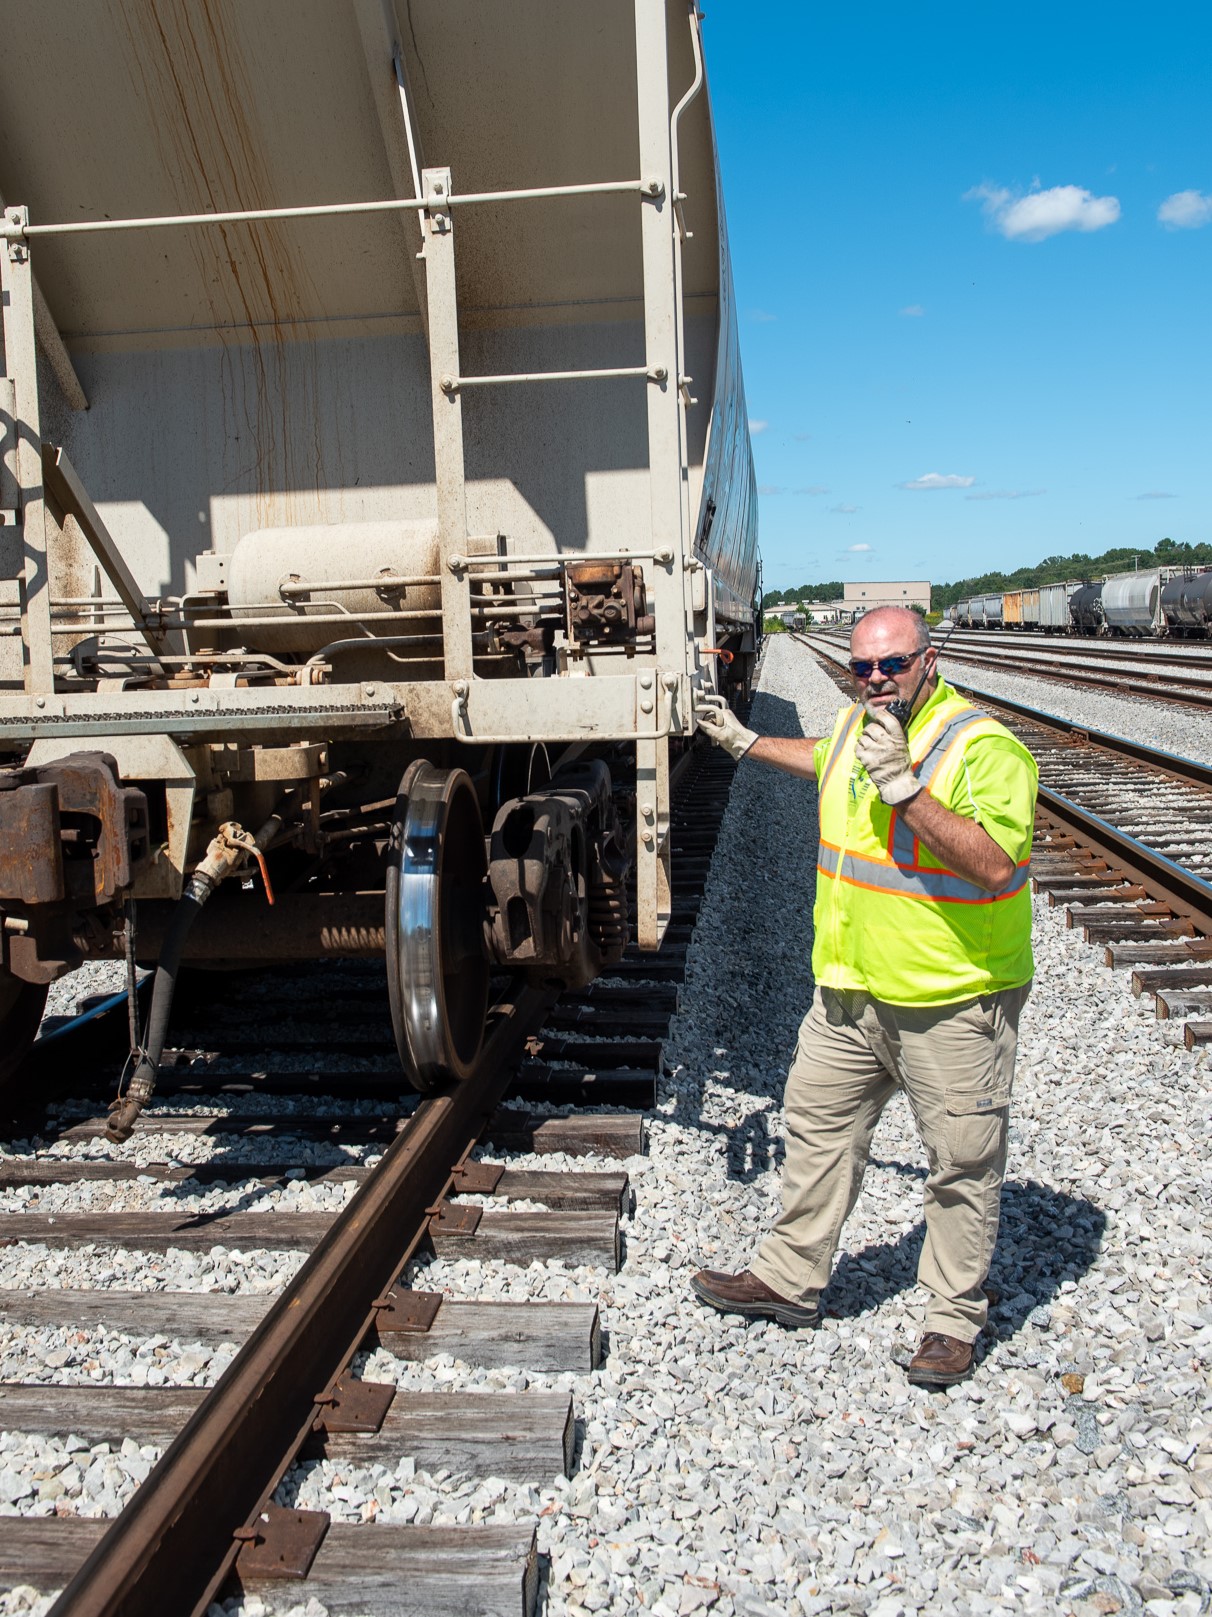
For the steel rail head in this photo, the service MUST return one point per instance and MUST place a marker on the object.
(1162, 878)
(1170, 763)
(174, 1545)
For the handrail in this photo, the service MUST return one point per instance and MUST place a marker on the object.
(13, 230)
(697, 84)
(455, 384)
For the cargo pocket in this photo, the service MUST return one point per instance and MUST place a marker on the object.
(976, 1120)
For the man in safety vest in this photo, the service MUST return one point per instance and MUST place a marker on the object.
(922, 960)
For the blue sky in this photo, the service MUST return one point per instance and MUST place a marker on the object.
(896, 180)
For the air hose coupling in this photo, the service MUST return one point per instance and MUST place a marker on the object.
(228, 849)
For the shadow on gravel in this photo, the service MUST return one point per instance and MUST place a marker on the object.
(1045, 1238)
(775, 716)
(760, 913)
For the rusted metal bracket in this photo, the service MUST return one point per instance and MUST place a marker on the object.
(454, 1218)
(280, 1543)
(476, 1178)
(353, 1406)
(406, 1312)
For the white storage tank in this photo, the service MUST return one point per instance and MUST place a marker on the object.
(1132, 603)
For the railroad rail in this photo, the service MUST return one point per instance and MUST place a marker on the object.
(204, 1522)
(1117, 669)
(1123, 843)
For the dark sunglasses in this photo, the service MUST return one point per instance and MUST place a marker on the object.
(864, 667)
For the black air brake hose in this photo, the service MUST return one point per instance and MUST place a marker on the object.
(124, 1113)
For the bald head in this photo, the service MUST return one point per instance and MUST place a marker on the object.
(909, 629)
(893, 632)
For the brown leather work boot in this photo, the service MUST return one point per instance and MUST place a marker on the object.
(940, 1361)
(745, 1294)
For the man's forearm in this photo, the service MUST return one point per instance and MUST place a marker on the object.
(792, 755)
(961, 844)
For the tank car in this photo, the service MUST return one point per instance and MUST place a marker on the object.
(1132, 604)
(1086, 609)
(1187, 604)
(378, 492)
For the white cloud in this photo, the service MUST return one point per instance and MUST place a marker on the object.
(843, 510)
(757, 426)
(770, 488)
(762, 317)
(1185, 210)
(914, 311)
(857, 549)
(1155, 494)
(813, 488)
(1006, 494)
(1040, 214)
(939, 480)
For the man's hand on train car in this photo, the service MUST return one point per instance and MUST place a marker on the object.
(884, 754)
(725, 729)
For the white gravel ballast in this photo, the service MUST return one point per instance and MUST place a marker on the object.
(745, 1469)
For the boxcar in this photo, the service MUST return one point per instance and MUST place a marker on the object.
(1054, 606)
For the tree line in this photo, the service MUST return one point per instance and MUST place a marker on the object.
(1052, 570)
(832, 591)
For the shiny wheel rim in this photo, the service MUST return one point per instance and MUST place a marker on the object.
(438, 972)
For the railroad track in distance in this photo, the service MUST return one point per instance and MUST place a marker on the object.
(1125, 668)
(410, 1180)
(1123, 842)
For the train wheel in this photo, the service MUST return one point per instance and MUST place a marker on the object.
(437, 969)
(21, 1007)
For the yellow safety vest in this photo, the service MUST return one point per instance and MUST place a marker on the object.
(891, 919)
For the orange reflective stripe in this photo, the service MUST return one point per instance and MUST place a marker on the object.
(913, 881)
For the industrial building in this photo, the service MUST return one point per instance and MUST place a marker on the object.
(865, 597)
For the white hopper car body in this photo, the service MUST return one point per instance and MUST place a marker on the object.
(377, 474)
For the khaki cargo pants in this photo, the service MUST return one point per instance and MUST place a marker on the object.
(956, 1066)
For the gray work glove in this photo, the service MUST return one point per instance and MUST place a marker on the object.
(725, 729)
(884, 754)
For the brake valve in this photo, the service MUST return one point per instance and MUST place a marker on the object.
(607, 601)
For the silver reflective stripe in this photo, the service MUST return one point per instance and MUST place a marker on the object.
(903, 841)
(940, 886)
(928, 767)
(836, 752)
